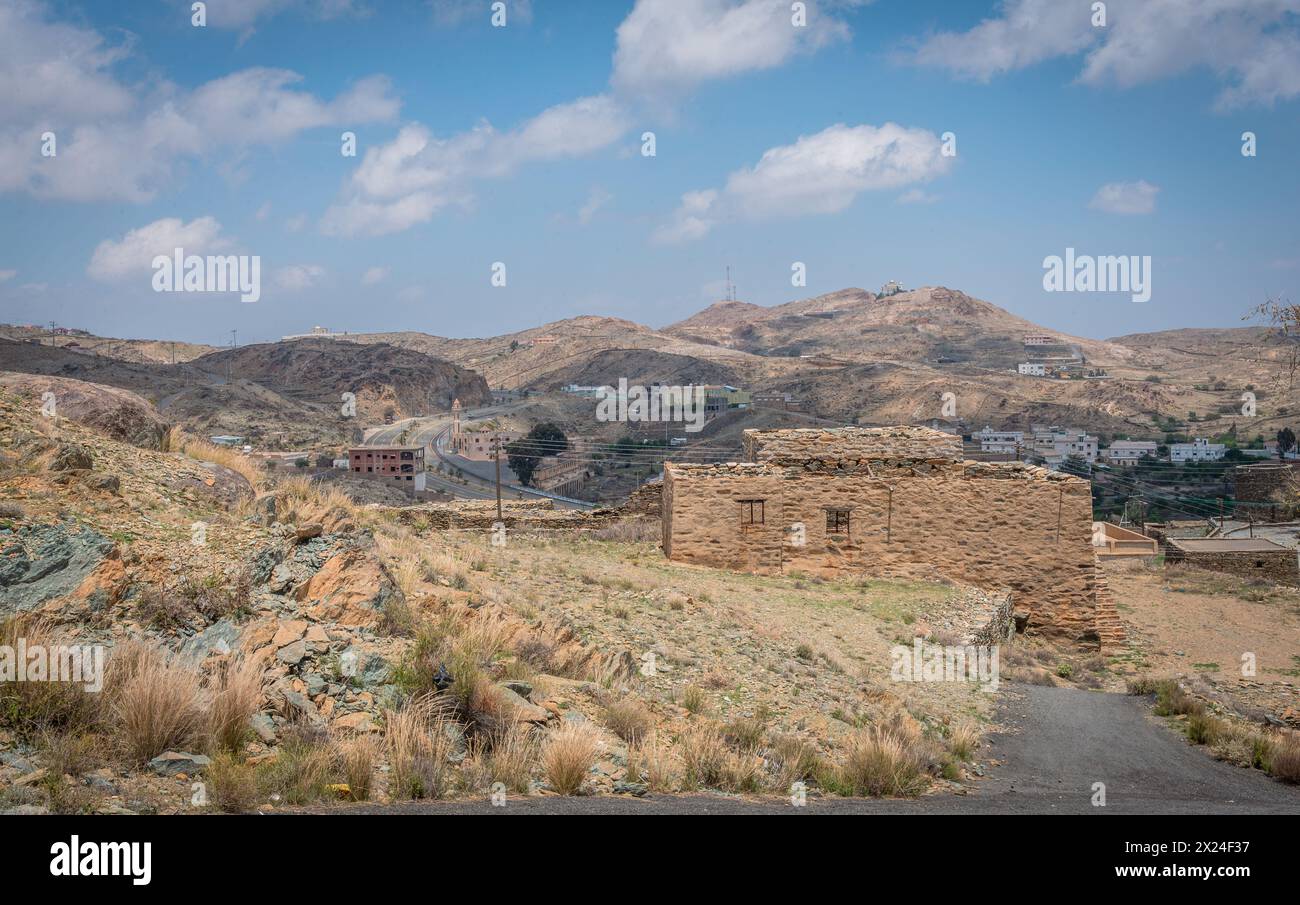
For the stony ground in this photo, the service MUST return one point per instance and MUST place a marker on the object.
(1198, 624)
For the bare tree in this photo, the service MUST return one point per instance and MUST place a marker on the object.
(1284, 319)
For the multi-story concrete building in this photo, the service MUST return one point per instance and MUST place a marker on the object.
(1199, 450)
(992, 441)
(1128, 452)
(402, 465)
(1032, 369)
(1055, 445)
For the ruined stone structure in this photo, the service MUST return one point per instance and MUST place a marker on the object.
(1249, 557)
(894, 502)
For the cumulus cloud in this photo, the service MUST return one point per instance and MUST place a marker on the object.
(374, 275)
(134, 252)
(1126, 198)
(666, 47)
(818, 174)
(406, 181)
(124, 142)
(297, 277)
(1253, 46)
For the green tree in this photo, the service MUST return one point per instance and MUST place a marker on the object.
(1285, 442)
(524, 455)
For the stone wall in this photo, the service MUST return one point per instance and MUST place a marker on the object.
(1279, 566)
(851, 447)
(991, 525)
(1265, 482)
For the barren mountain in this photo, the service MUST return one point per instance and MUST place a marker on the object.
(524, 358)
(135, 350)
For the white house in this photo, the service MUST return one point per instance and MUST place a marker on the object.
(1199, 450)
(1127, 452)
(1033, 369)
(992, 441)
(1058, 444)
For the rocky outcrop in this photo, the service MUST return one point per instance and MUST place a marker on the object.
(112, 411)
(39, 563)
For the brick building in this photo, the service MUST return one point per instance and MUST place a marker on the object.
(403, 465)
(894, 502)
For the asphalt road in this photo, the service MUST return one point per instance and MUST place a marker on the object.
(1058, 743)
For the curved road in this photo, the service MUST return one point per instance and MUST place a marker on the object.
(1057, 743)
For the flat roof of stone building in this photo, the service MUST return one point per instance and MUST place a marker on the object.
(1227, 545)
(852, 443)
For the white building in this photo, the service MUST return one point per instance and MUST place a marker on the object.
(1199, 450)
(1127, 452)
(992, 441)
(1032, 369)
(1040, 339)
(893, 287)
(1057, 444)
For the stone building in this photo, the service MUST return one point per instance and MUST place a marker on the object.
(895, 502)
(1249, 557)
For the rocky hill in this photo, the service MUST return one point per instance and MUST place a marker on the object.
(282, 395)
(134, 350)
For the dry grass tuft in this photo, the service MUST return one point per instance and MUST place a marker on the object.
(417, 743)
(35, 708)
(160, 704)
(628, 718)
(357, 757)
(236, 696)
(879, 761)
(963, 740)
(1284, 757)
(568, 757)
(203, 451)
(231, 784)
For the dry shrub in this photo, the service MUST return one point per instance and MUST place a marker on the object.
(418, 744)
(704, 757)
(357, 756)
(33, 708)
(628, 718)
(794, 759)
(204, 451)
(236, 696)
(301, 500)
(693, 699)
(879, 761)
(568, 757)
(231, 784)
(510, 756)
(304, 765)
(1284, 757)
(649, 763)
(160, 704)
(745, 733)
(963, 740)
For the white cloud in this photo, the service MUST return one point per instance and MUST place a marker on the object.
(297, 277)
(123, 142)
(374, 275)
(595, 201)
(818, 174)
(666, 47)
(263, 212)
(1251, 45)
(406, 181)
(7, 275)
(1126, 198)
(134, 252)
(296, 223)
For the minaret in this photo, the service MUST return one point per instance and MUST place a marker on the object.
(455, 426)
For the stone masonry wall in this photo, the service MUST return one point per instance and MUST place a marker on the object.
(1280, 566)
(851, 447)
(990, 525)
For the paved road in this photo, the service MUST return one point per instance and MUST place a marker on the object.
(1059, 741)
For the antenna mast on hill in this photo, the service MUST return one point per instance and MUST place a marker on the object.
(731, 287)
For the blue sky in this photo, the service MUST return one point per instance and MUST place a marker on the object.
(522, 145)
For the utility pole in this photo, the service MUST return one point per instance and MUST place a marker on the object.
(53, 340)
